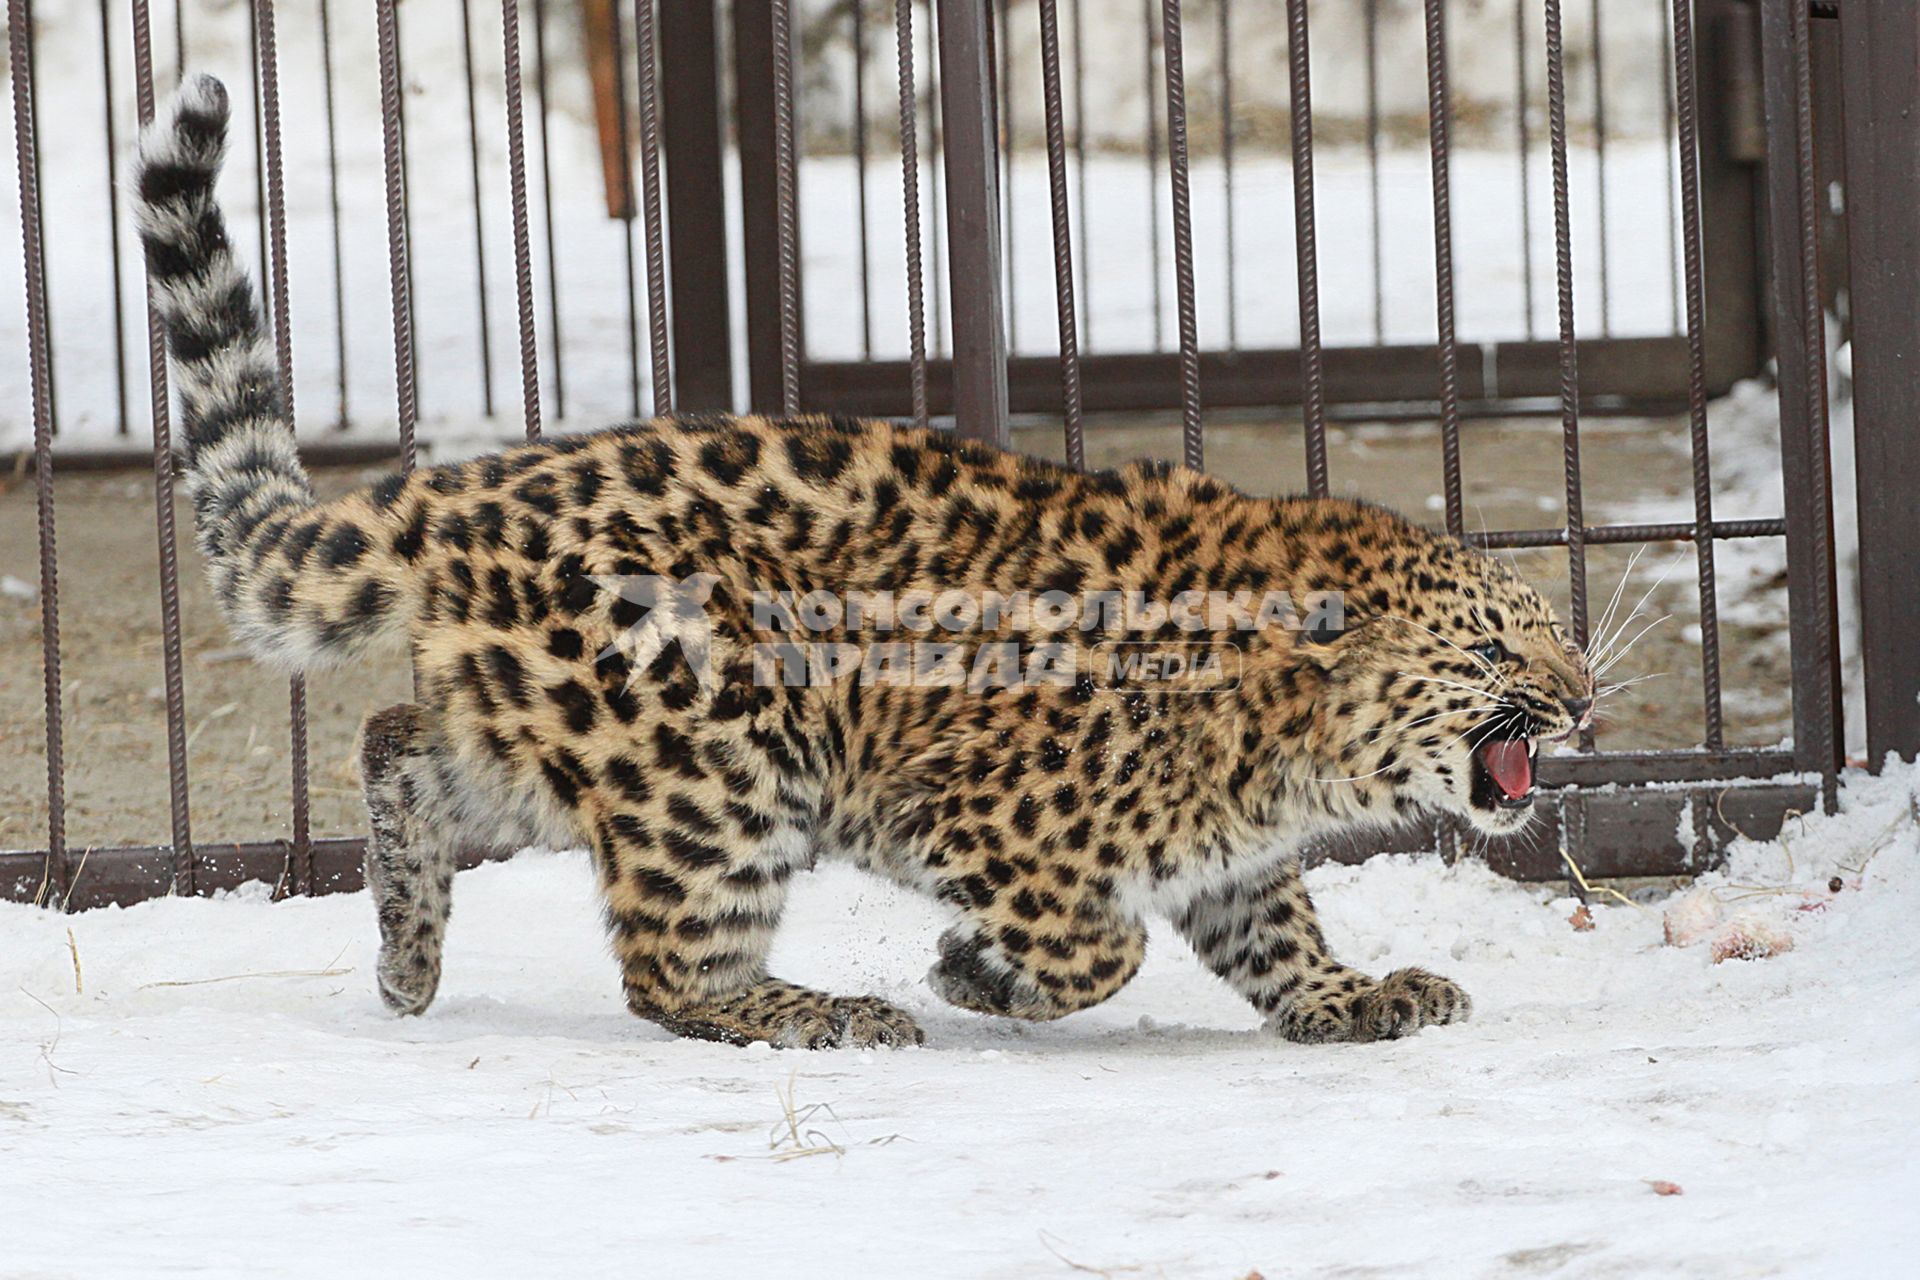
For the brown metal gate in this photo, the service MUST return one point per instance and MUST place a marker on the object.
(1383, 376)
(1611, 813)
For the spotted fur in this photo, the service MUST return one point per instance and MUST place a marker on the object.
(1052, 818)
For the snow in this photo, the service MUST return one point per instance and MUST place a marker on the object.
(225, 1095)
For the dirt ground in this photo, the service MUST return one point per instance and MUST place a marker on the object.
(116, 777)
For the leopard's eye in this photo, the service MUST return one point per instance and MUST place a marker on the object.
(1489, 652)
(1323, 633)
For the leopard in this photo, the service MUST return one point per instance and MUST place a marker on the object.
(1051, 817)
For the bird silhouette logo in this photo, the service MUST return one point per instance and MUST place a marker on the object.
(672, 613)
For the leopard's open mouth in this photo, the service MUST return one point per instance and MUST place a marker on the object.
(1503, 774)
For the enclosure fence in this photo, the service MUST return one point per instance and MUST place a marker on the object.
(1751, 268)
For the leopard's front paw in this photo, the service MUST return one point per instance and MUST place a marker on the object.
(852, 1022)
(1364, 1009)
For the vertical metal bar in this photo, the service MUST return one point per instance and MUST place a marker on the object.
(1600, 167)
(333, 218)
(937, 179)
(623, 145)
(1800, 338)
(479, 213)
(785, 181)
(1687, 110)
(522, 240)
(406, 196)
(973, 217)
(1732, 193)
(1375, 240)
(1171, 43)
(179, 42)
(647, 87)
(546, 203)
(693, 127)
(177, 795)
(399, 270)
(1153, 176)
(860, 173)
(1669, 108)
(259, 156)
(1080, 172)
(46, 294)
(1525, 140)
(910, 192)
(1439, 122)
(1003, 79)
(1062, 234)
(1226, 166)
(268, 71)
(113, 216)
(1879, 48)
(26, 158)
(759, 198)
(1569, 358)
(1306, 253)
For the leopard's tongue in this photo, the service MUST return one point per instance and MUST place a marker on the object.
(1512, 768)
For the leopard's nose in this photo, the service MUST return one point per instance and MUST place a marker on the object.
(1577, 708)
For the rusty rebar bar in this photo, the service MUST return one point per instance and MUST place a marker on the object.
(1172, 45)
(1306, 251)
(910, 192)
(522, 240)
(1063, 281)
(1687, 108)
(1439, 122)
(785, 195)
(26, 157)
(184, 863)
(647, 87)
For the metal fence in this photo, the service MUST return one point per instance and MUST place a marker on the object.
(1612, 813)
(1159, 175)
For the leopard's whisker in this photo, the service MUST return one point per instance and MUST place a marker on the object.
(1491, 706)
(1619, 588)
(1384, 768)
(1627, 684)
(1638, 635)
(1603, 650)
(1454, 684)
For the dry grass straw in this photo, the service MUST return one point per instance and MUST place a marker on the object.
(332, 970)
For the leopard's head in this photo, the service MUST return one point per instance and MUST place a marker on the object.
(1438, 677)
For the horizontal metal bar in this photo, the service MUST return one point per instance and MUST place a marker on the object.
(1631, 768)
(1642, 368)
(314, 453)
(1616, 534)
(135, 873)
(1624, 832)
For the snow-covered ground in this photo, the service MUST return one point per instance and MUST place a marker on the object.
(212, 1087)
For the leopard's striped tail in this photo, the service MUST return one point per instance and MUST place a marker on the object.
(253, 503)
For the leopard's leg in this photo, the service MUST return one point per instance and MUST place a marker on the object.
(695, 867)
(412, 805)
(1028, 955)
(1263, 938)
